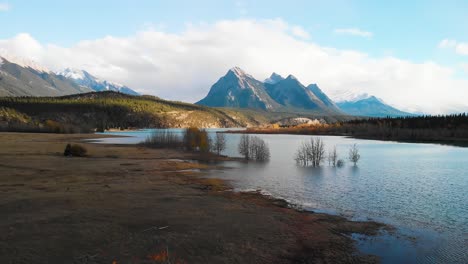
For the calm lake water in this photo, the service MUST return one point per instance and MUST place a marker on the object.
(422, 189)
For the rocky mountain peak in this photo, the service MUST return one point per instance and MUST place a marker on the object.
(274, 78)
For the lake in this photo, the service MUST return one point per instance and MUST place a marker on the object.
(421, 189)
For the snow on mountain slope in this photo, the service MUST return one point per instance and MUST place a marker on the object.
(72, 74)
(350, 95)
(25, 63)
(84, 78)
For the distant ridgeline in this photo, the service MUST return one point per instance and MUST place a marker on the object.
(104, 110)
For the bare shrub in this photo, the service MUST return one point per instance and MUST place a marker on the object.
(302, 157)
(243, 146)
(254, 148)
(332, 157)
(311, 152)
(219, 143)
(354, 155)
(163, 139)
(259, 150)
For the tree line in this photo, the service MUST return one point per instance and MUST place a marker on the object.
(452, 129)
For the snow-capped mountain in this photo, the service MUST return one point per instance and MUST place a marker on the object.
(370, 106)
(274, 78)
(20, 77)
(239, 89)
(23, 62)
(85, 79)
(25, 77)
(348, 95)
(292, 94)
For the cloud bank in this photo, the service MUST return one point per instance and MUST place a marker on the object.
(183, 66)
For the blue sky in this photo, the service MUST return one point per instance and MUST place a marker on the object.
(407, 30)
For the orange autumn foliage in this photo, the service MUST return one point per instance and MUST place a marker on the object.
(196, 139)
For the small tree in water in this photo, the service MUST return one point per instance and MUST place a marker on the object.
(219, 143)
(312, 152)
(244, 146)
(196, 139)
(253, 148)
(259, 150)
(354, 155)
(332, 157)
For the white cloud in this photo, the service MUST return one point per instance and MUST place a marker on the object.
(300, 32)
(464, 67)
(462, 48)
(459, 47)
(4, 7)
(354, 32)
(183, 66)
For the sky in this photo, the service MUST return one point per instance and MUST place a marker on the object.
(411, 54)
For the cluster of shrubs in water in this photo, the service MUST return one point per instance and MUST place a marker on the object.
(310, 153)
(195, 139)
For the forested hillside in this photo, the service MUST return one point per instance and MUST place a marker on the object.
(104, 110)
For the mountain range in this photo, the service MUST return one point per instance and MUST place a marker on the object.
(22, 77)
(236, 89)
(239, 89)
(85, 79)
(372, 107)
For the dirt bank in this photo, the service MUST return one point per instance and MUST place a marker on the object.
(127, 204)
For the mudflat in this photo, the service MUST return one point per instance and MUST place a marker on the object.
(130, 204)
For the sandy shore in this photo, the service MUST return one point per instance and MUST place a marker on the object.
(127, 204)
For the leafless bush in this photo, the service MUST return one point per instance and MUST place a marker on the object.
(354, 155)
(259, 150)
(253, 148)
(302, 156)
(332, 157)
(219, 143)
(243, 146)
(312, 152)
(163, 139)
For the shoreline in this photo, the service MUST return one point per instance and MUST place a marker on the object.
(135, 183)
(448, 142)
(250, 130)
